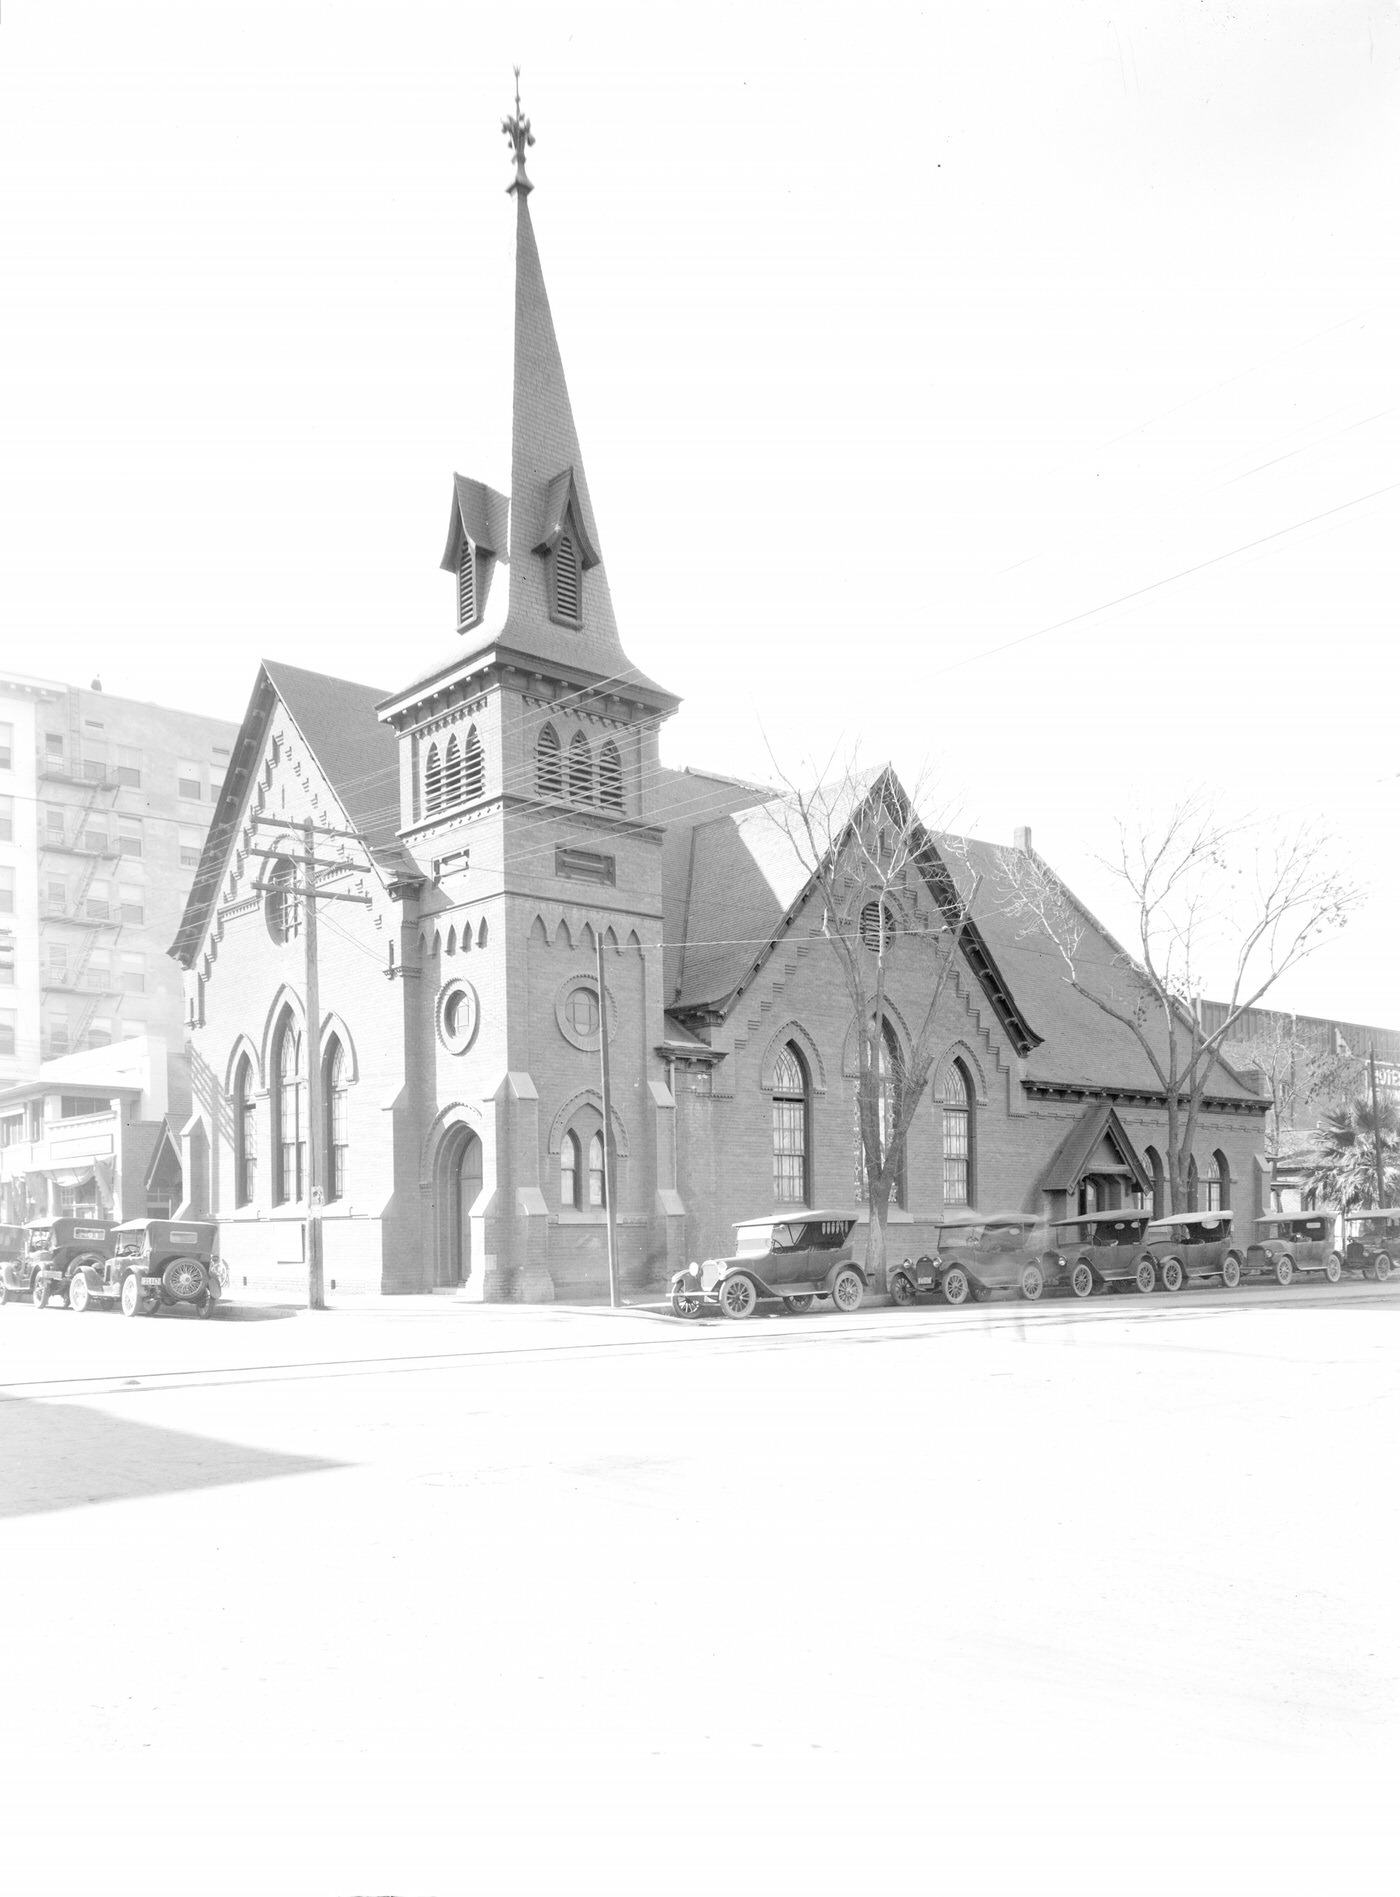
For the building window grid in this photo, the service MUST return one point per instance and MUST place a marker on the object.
(549, 772)
(570, 1172)
(957, 1138)
(289, 1134)
(791, 1169)
(597, 1172)
(337, 1134)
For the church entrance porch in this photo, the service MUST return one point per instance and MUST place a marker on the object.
(457, 1189)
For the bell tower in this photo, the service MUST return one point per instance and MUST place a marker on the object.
(529, 795)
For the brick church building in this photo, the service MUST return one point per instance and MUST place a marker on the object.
(487, 822)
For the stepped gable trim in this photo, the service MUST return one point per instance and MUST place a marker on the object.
(1068, 1161)
(482, 514)
(1118, 949)
(337, 716)
(943, 889)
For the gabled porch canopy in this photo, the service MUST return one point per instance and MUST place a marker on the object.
(1098, 1146)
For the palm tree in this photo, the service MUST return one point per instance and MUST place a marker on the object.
(1343, 1175)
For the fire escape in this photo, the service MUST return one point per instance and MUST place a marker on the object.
(91, 842)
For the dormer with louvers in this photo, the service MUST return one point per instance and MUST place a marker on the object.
(566, 549)
(477, 536)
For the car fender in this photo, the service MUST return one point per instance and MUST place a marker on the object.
(90, 1273)
(848, 1264)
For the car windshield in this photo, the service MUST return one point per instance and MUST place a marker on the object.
(756, 1241)
(1118, 1231)
(41, 1240)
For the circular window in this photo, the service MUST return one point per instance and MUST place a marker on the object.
(576, 1011)
(457, 1016)
(281, 902)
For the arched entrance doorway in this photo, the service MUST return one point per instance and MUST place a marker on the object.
(458, 1188)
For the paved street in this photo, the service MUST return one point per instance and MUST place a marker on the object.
(420, 1597)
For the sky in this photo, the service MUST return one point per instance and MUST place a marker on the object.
(1008, 391)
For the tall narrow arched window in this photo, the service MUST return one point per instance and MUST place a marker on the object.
(567, 579)
(1217, 1184)
(792, 1171)
(473, 769)
(289, 1113)
(432, 781)
(610, 776)
(1159, 1181)
(580, 769)
(334, 1092)
(466, 584)
(452, 774)
(570, 1172)
(549, 772)
(957, 1136)
(597, 1172)
(245, 1135)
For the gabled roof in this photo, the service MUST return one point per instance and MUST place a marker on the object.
(482, 514)
(336, 720)
(561, 496)
(1071, 1159)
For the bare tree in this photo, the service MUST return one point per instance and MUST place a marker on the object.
(891, 913)
(1303, 1076)
(1208, 897)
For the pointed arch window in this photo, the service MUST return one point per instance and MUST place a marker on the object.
(335, 1092)
(1159, 1180)
(288, 1113)
(792, 1162)
(957, 1136)
(452, 774)
(245, 1135)
(567, 578)
(891, 1073)
(1217, 1184)
(549, 769)
(610, 776)
(466, 584)
(432, 780)
(570, 1172)
(580, 769)
(597, 1172)
(473, 767)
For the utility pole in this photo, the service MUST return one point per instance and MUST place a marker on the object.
(1376, 1123)
(316, 1132)
(609, 1170)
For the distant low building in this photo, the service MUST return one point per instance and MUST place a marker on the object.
(90, 1135)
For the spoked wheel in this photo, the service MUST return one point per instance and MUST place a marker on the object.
(738, 1296)
(1146, 1277)
(1334, 1269)
(184, 1279)
(1382, 1268)
(1283, 1270)
(133, 1300)
(902, 1288)
(685, 1303)
(1032, 1282)
(956, 1286)
(39, 1292)
(847, 1289)
(78, 1295)
(802, 1301)
(1230, 1273)
(1173, 1277)
(1081, 1280)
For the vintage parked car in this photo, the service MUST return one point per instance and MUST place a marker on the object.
(11, 1253)
(1103, 1248)
(795, 1256)
(981, 1252)
(1286, 1242)
(55, 1250)
(154, 1262)
(1185, 1245)
(1371, 1242)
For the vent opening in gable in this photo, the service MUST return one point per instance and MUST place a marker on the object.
(568, 579)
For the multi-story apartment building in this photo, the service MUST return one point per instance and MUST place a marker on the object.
(105, 803)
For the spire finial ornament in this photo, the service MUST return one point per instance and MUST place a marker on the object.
(517, 130)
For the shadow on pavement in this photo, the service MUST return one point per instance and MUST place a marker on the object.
(62, 1455)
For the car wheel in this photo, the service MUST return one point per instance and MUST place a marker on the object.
(1173, 1277)
(1334, 1269)
(1081, 1280)
(1230, 1273)
(133, 1303)
(78, 1292)
(1032, 1282)
(902, 1288)
(685, 1303)
(1146, 1277)
(801, 1302)
(39, 1292)
(206, 1303)
(738, 1296)
(1382, 1268)
(184, 1279)
(955, 1285)
(1283, 1270)
(847, 1289)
